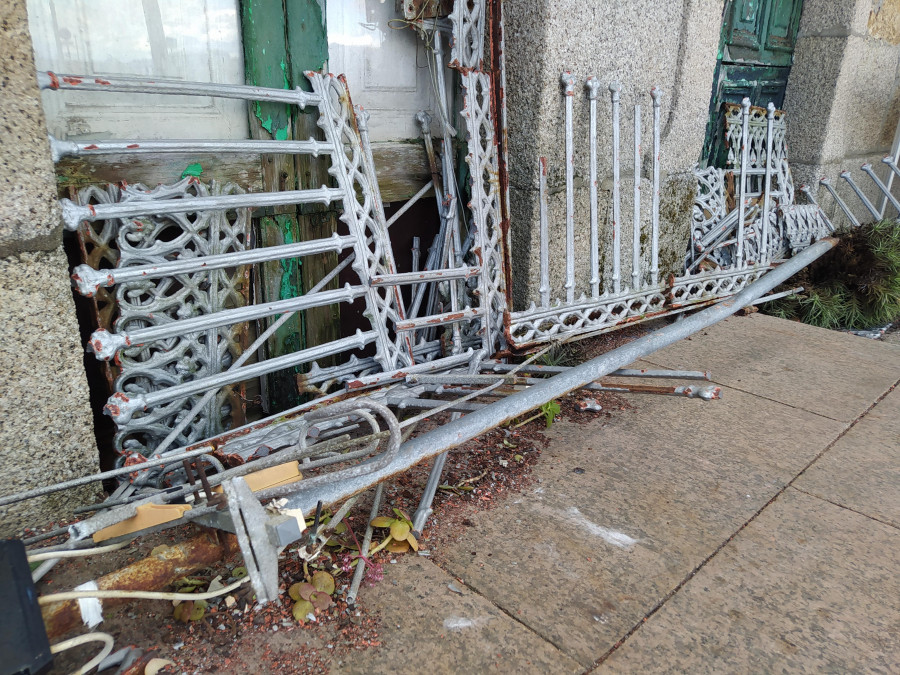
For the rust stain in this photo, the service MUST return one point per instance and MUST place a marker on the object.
(167, 564)
(54, 80)
(103, 82)
(74, 81)
(133, 146)
(92, 146)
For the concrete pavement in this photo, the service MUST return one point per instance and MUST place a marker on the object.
(758, 533)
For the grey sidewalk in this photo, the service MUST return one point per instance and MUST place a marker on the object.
(758, 533)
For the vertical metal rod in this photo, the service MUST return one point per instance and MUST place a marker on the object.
(416, 252)
(859, 193)
(593, 86)
(545, 233)
(636, 230)
(364, 553)
(614, 93)
(840, 202)
(568, 81)
(655, 95)
(892, 164)
(884, 189)
(767, 202)
(745, 153)
(807, 192)
(895, 157)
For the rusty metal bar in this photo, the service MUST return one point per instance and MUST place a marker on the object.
(60, 149)
(163, 567)
(474, 424)
(465, 314)
(136, 85)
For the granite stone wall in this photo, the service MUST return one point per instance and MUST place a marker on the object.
(843, 96)
(671, 45)
(46, 429)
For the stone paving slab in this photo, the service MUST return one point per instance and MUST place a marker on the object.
(834, 374)
(626, 509)
(862, 470)
(426, 627)
(807, 587)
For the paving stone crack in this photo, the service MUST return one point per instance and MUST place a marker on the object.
(659, 605)
(846, 508)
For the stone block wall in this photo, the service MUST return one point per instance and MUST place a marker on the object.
(46, 428)
(671, 45)
(843, 97)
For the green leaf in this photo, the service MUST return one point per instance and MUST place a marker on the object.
(239, 572)
(401, 514)
(550, 410)
(301, 591)
(400, 530)
(323, 581)
(382, 521)
(320, 600)
(302, 611)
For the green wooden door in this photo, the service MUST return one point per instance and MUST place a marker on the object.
(755, 55)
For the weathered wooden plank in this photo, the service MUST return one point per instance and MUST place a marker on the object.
(401, 167)
(153, 170)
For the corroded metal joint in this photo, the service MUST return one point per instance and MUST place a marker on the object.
(614, 89)
(568, 82)
(104, 344)
(593, 86)
(88, 280)
(122, 408)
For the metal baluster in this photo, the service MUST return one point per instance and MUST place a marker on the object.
(840, 202)
(859, 193)
(614, 93)
(636, 229)
(884, 189)
(764, 243)
(655, 95)
(593, 86)
(545, 233)
(568, 81)
(745, 151)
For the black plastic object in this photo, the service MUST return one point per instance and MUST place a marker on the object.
(24, 648)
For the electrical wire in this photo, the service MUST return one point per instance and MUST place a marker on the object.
(79, 553)
(105, 638)
(138, 595)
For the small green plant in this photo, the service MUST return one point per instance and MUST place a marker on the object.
(857, 285)
(549, 411)
(400, 538)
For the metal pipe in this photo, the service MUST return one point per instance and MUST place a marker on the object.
(593, 86)
(655, 95)
(401, 278)
(636, 227)
(742, 190)
(767, 198)
(545, 233)
(614, 93)
(840, 202)
(136, 85)
(778, 296)
(409, 203)
(884, 189)
(568, 81)
(88, 280)
(60, 149)
(176, 455)
(364, 552)
(474, 424)
(121, 407)
(73, 214)
(859, 193)
(621, 372)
